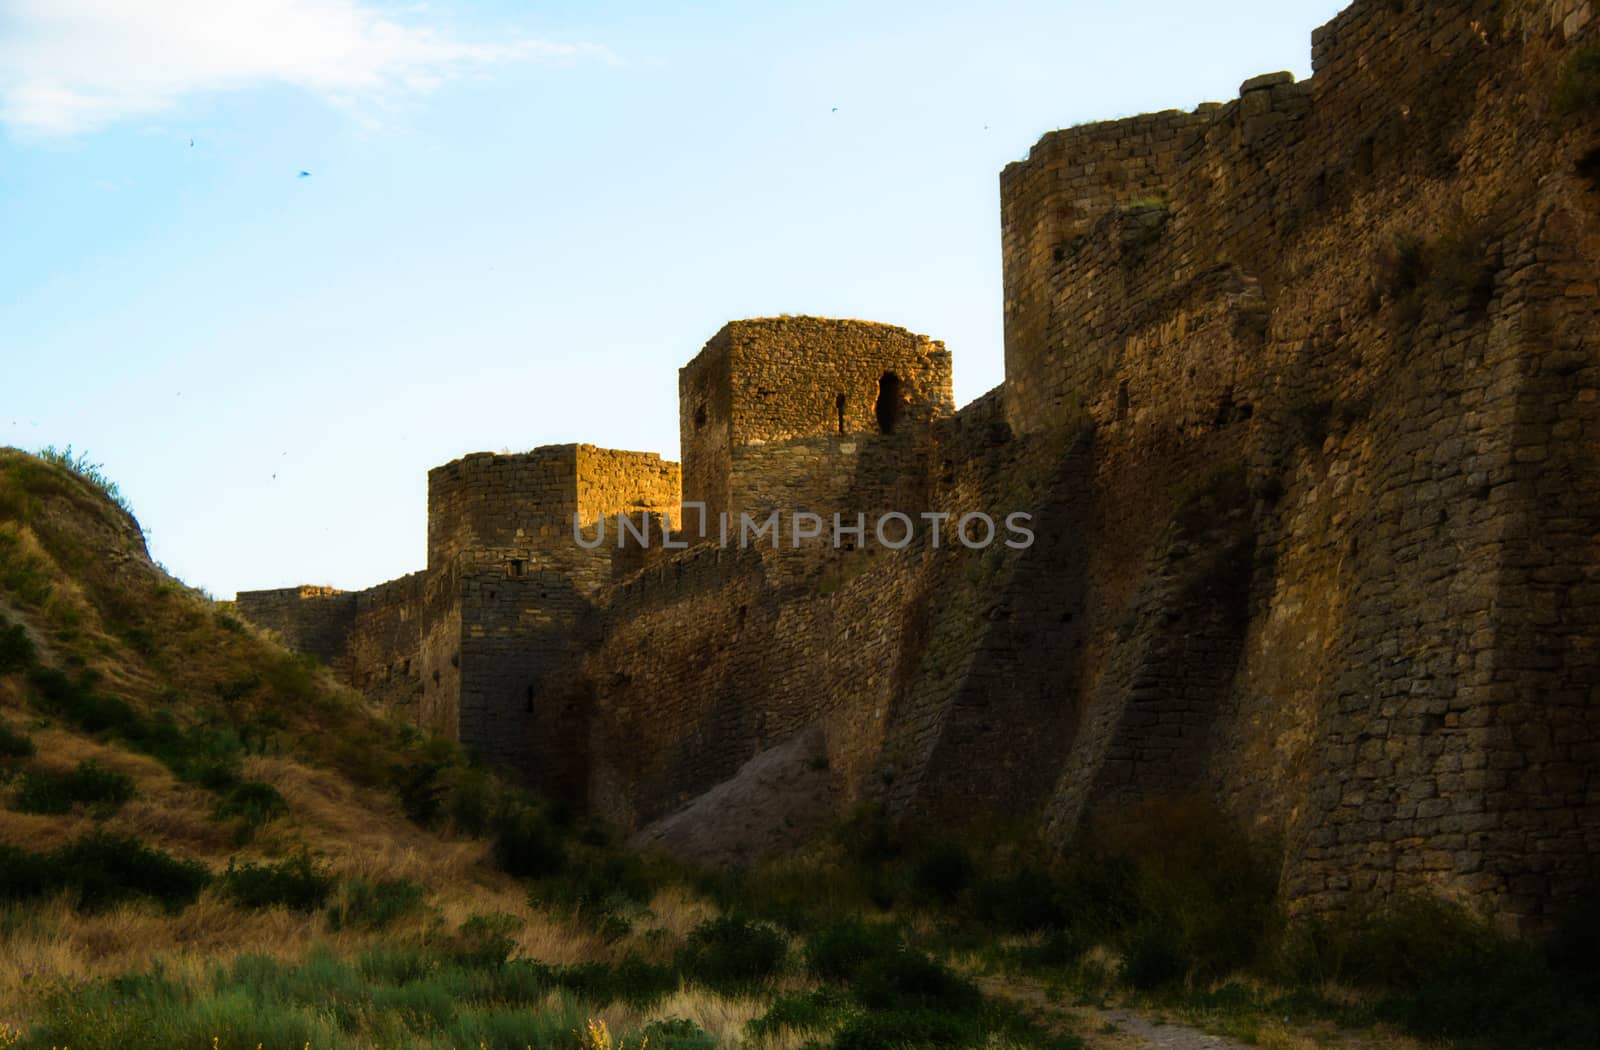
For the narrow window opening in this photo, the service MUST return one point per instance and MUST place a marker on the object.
(1366, 157)
(838, 404)
(700, 417)
(1122, 400)
(516, 567)
(1589, 168)
(888, 406)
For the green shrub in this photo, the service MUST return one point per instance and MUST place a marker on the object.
(253, 802)
(503, 1029)
(392, 963)
(840, 951)
(14, 744)
(942, 872)
(1441, 974)
(1155, 954)
(107, 869)
(487, 940)
(907, 1028)
(420, 1005)
(730, 951)
(43, 793)
(801, 1011)
(372, 906)
(16, 648)
(600, 888)
(93, 784)
(1397, 946)
(1574, 945)
(421, 794)
(910, 980)
(1464, 260)
(203, 755)
(471, 802)
(526, 844)
(121, 1013)
(867, 837)
(631, 980)
(1100, 892)
(77, 704)
(298, 884)
(90, 784)
(1022, 901)
(25, 875)
(678, 1033)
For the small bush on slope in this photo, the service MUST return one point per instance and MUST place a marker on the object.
(298, 883)
(91, 784)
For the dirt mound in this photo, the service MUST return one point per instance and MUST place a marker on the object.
(778, 800)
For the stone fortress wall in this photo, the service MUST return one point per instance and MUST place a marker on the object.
(1303, 392)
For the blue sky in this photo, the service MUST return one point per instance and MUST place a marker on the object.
(520, 220)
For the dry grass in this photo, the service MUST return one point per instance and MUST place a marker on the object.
(55, 939)
(676, 909)
(723, 1016)
(175, 815)
(363, 834)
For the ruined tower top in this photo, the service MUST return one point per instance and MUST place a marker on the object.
(775, 379)
(529, 499)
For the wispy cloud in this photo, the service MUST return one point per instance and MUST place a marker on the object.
(69, 66)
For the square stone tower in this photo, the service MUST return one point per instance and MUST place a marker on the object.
(771, 380)
(528, 499)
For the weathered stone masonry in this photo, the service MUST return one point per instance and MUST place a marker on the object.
(482, 644)
(1303, 391)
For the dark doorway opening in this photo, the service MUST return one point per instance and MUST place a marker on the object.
(888, 406)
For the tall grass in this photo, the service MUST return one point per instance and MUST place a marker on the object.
(81, 465)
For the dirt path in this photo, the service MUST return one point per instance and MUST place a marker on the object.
(1126, 1028)
(1104, 1028)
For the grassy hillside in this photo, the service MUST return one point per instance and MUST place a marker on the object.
(207, 841)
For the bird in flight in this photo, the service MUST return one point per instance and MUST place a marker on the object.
(304, 175)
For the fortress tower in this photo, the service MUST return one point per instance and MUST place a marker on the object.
(482, 642)
(766, 381)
